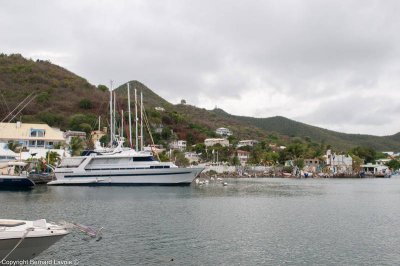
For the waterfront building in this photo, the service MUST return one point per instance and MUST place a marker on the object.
(249, 142)
(339, 163)
(30, 135)
(376, 169)
(223, 131)
(178, 145)
(213, 141)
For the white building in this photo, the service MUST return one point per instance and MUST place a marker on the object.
(243, 156)
(70, 134)
(35, 139)
(158, 108)
(30, 135)
(339, 163)
(249, 142)
(212, 142)
(375, 169)
(192, 157)
(178, 145)
(223, 131)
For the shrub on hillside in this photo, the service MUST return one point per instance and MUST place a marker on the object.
(85, 103)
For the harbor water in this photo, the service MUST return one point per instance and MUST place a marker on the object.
(249, 222)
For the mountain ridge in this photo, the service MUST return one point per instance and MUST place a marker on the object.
(60, 91)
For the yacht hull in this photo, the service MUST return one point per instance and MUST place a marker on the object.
(15, 182)
(147, 177)
(29, 248)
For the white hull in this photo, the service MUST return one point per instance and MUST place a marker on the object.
(29, 248)
(27, 239)
(165, 176)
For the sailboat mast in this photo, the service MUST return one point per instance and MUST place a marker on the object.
(141, 120)
(130, 121)
(115, 122)
(122, 123)
(136, 119)
(99, 122)
(111, 114)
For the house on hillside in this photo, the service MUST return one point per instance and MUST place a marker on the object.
(158, 108)
(192, 157)
(213, 141)
(178, 145)
(243, 156)
(223, 131)
(249, 142)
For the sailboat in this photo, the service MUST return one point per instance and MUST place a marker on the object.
(122, 166)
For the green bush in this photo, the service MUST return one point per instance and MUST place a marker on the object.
(85, 103)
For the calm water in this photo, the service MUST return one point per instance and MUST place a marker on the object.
(249, 222)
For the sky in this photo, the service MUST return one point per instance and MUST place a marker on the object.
(332, 64)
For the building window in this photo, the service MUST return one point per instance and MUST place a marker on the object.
(37, 132)
(32, 143)
(40, 143)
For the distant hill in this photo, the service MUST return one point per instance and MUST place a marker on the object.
(339, 140)
(59, 93)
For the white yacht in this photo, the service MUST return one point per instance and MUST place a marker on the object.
(24, 240)
(121, 167)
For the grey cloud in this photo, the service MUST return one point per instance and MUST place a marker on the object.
(337, 52)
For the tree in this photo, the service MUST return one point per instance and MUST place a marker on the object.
(76, 145)
(85, 103)
(180, 159)
(183, 101)
(393, 164)
(235, 160)
(102, 87)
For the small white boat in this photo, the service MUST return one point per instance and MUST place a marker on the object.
(24, 240)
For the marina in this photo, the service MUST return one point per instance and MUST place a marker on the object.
(250, 221)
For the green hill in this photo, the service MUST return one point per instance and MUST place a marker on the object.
(339, 140)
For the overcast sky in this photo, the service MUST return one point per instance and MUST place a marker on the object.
(333, 64)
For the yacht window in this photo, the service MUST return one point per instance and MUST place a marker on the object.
(144, 159)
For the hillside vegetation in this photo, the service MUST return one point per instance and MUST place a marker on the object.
(66, 100)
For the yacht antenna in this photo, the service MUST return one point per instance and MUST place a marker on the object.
(141, 120)
(111, 114)
(129, 110)
(136, 119)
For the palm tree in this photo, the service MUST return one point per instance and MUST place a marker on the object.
(76, 145)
